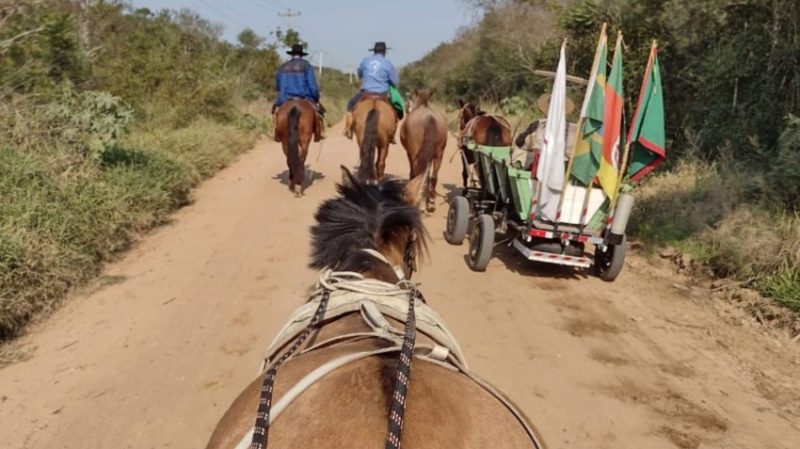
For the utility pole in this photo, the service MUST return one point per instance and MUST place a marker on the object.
(320, 63)
(289, 14)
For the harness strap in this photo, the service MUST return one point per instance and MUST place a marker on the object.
(401, 275)
(261, 428)
(394, 436)
(315, 376)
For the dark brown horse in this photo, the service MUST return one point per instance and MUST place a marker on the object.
(424, 136)
(295, 125)
(476, 126)
(374, 123)
(335, 391)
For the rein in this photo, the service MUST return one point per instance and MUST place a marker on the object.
(402, 372)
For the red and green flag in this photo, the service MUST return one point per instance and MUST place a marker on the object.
(646, 135)
(588, 145)
(608, 173)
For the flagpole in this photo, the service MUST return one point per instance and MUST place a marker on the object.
(579, 131)
(626, 154)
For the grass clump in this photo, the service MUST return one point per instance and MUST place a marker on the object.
(61, 220)
(710, 212)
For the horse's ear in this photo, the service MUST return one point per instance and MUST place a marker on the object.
(348, 181)
(460, 103)
(414, 191)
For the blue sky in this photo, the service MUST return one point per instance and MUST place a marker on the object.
(342, 30)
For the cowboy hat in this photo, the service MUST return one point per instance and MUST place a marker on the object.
(379, 47)
(544, 104)
(297, 50)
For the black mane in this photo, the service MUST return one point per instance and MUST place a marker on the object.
(363, 216)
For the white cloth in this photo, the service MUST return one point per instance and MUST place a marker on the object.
(551, 164)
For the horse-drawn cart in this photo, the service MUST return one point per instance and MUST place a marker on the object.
(501, 202)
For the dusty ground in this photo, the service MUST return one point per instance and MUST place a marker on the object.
(152, 357)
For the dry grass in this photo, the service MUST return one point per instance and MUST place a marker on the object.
(61, 220)
(700, 211)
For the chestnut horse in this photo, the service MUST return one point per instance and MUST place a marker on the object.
(424, 136)
(295, 125)
(374, 123)
(333, 391)
(482, 129)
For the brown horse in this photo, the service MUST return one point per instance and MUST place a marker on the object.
(295, 125)
(335, 391)
(474, 125)
(424, 136)
(374, 122)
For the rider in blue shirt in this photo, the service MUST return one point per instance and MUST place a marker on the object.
(295, 79)
(376, 73)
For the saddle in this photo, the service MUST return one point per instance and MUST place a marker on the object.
(399, 110)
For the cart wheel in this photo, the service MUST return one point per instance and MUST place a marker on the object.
(481, 243)
(608, 265)
(457, 220)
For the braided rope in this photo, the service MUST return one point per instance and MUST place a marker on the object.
(261, 429)
(394, 435)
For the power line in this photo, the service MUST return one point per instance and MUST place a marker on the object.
(289, 14)
(224, 13)
(267, 7)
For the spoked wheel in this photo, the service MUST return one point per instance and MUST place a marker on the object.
(457, 220)
(481, 242)
(608, 264)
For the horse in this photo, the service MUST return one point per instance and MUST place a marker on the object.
(374, 123)
(334, 388)
(482, 129)
(295, 125)
(424, 136)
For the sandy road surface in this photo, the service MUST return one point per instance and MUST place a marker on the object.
(152, 357)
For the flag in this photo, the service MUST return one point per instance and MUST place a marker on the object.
(588, 146)
(646, 135)
(608, 173)
(550, 171)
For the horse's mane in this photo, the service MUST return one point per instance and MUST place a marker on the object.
(363, 216)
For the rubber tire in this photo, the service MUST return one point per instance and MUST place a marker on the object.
(608, 270)
(457, 220)
(481, 243)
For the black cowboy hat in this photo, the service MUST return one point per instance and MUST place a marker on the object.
(297, 49)
(379, 47)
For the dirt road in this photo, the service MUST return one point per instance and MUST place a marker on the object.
(152, 357)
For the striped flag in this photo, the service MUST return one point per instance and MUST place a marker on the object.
(646, 135)
(608, 173)
(588, 146)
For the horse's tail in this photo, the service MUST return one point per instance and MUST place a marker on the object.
(367, 170)
(293, 146)
(428, 150)
(494, 134)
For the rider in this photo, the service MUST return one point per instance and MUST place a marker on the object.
(376, 74)
(295, 79)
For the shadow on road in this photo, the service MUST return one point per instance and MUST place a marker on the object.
(311, 177)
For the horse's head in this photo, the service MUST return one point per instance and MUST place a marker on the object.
(468, 112)
(366, 218)
(420, 98)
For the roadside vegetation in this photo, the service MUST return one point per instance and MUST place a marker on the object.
(728, 197)
(109, 116)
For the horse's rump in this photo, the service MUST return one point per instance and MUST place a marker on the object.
(355, 364)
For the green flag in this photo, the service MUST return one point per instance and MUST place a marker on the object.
(646, 134)
(588, 146)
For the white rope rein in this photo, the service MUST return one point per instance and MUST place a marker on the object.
(355, 282)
